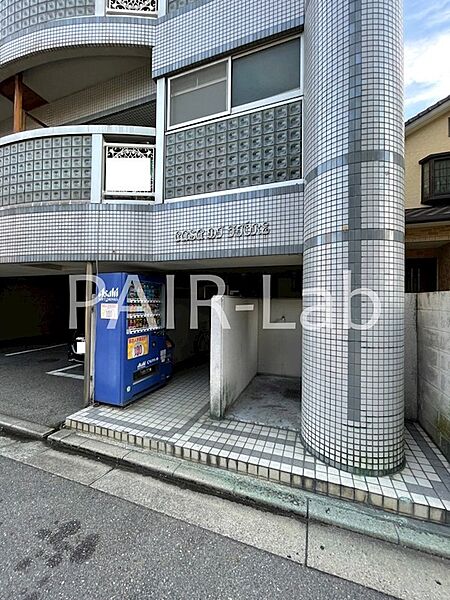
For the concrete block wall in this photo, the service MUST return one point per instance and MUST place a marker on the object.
(234, 351)
(411, 406)
(433, 361)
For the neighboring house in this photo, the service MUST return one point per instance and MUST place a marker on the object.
(246, 136)
(427, 152)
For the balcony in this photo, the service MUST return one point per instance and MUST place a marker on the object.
(77, 164)
(129, 171)
(51, 26)
(16, 17)
(145, 8)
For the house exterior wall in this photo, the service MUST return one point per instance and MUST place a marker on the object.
(437, 236)
(257, 148)
(432, 138)
(189, 37)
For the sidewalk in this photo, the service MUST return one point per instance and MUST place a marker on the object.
(104, 454)
(305, 536)
(175, 420)
(273, 497)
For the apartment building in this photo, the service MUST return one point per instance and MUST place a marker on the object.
(239, 138)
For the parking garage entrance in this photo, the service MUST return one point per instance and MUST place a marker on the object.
(247, 373)
(38, 382)
(42, 384)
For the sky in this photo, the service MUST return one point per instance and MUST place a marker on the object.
(427, 53)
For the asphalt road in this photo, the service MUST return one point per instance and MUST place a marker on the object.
(27, 392)
(62, 540)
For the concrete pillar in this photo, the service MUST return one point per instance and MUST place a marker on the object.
(353, 402)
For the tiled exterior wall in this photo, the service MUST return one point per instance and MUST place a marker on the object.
(114, 93)
(175, 5)
(46, 169)
(76, 32)
(433, 353)
(246, 224)
(21, 14)
(253, 149)
(353, 399)
(353, 394)
(194, 35)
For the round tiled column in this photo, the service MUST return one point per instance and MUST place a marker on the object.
(352, 402)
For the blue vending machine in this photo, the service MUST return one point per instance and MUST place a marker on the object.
(133, 355)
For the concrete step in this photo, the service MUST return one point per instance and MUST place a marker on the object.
(24, 428)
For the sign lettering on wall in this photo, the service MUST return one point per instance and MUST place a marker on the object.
(247, 229)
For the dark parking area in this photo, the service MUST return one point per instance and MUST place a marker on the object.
(38, 383)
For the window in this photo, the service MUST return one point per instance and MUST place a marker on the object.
(265, 74)
(199, 94)
(259, 77)
(436, 178)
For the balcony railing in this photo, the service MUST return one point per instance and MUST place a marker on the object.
(129, 170)
(81, 163)
(132, 7)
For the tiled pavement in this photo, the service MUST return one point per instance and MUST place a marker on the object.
(175, 420)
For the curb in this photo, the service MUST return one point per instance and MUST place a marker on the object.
(423, 536)
(25, 428)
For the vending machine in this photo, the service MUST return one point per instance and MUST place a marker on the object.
(133, 354)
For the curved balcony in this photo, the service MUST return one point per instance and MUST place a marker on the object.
(27, 32)
(81, 164)
(86, 193)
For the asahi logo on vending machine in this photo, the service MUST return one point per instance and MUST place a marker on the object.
(112, 294)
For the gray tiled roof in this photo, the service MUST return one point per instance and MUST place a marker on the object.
(427, 214)
(427, 111)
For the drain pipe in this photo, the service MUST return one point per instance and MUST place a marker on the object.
(89, 336)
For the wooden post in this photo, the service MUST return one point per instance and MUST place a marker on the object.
(18, 104)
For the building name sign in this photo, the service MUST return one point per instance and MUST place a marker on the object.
(247, 229)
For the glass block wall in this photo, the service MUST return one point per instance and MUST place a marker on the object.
(18, 15)
(46, 169)
(259, 148)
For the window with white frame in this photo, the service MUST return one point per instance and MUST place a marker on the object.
(199, 94)
(256, 78)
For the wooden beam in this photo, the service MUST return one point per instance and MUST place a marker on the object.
(30, 99)
(18, 104)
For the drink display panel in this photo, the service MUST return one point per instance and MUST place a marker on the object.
(133, 355)
(145, 314)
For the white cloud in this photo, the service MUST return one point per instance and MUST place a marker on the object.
(434, 13)
(427, 71)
